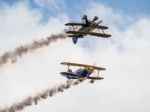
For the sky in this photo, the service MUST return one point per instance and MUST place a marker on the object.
(125, 55)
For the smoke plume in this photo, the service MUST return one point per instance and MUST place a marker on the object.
(12, 56)
(38, 97)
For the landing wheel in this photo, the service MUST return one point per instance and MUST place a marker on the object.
(92, 81)
(81, 79)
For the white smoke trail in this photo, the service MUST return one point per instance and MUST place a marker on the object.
(35, 99)
(12, 56)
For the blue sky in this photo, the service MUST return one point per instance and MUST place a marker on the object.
(76, 8)
(125, 6)
(129, 6)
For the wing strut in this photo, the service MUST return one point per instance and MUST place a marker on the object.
(98, 74)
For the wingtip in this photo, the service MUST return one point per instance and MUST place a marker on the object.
(62, 63)
(102, 77)
(61, 73)
(68, 24)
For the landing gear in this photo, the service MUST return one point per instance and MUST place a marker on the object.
(81, 79)
(92, 81)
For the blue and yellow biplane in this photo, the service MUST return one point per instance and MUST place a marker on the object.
(86, 29)
(82, 73)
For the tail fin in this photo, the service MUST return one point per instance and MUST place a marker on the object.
(74, 39)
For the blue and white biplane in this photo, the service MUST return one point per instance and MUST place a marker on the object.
(82, 73)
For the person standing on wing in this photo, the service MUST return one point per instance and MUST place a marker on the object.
(87, 21)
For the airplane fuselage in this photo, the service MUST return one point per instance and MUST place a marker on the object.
(84, 73)
(85, 28)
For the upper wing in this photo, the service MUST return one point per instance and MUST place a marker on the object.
(96, 78)
(82, 65)
(89, 33)
(75, 24)
(100, 27)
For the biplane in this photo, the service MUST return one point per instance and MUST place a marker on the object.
(82, 73)
(86, 28)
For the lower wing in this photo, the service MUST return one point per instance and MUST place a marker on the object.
(96, 78)
(78, 36)
(99, 34)
(89, 33)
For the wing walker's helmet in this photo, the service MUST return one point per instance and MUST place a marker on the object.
(84, 17)
(95, 18)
